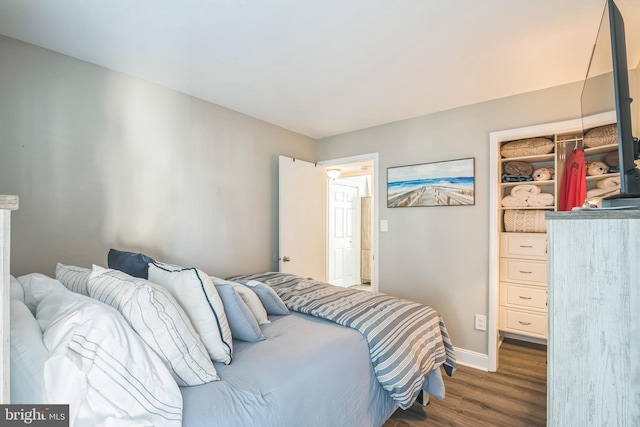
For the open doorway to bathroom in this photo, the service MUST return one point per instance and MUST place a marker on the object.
(350, 237)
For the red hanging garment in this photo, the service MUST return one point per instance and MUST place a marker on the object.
(574, 181)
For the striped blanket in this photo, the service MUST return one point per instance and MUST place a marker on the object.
(406, 340)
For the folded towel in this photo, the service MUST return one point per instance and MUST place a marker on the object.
(543, 174)
(513, 178)
(512, 202)
(542, 199)
(597, 168)
(524, 191)
(518, 168)
(611, 183)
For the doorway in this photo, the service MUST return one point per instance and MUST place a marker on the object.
(303, 227)
(351, 215)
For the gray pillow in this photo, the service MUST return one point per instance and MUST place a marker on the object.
(243, 324)
(268, 297)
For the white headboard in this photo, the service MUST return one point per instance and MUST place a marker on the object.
(7, 204)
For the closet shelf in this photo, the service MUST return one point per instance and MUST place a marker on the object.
(599, 177)
(527, 207)
(531, 159)
(513, 184)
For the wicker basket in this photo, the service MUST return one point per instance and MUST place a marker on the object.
(527, 147)
(525, 221)
(603, 135)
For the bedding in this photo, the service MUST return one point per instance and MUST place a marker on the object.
(28, 355)
(159, 320)
(250, 298)
(323, 355)
(74, 278)
(195, 292)
(132, 263)
(406, 340)
(82, 352)
(268, 297)
(242, 322)
(307, 372)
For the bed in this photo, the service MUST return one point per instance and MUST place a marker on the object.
(303, 367)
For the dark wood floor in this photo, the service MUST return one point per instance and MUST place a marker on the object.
(513, 396)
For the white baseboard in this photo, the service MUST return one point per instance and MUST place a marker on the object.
(472, 359)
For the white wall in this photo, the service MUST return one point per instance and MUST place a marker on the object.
(439, 255)
(101, 159)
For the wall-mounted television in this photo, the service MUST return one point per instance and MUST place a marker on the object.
(606, 87)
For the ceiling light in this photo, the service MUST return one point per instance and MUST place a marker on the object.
(334, 173)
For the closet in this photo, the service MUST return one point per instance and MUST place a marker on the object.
(527, 172)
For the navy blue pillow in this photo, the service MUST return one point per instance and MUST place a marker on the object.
(134, 264)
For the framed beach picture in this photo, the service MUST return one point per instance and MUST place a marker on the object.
(448, 183)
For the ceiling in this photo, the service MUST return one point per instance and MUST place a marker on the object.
(327, 67)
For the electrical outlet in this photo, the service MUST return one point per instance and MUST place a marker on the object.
(481, 322)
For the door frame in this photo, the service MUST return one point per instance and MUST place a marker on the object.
(375, 190)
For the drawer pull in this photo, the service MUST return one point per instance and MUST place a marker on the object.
(526, 246)
(525, 272)
(521, 297)
(524, 323)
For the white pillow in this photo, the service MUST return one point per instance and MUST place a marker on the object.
(195, 292)
(16, 290)
(36, 286)
(250, 298)
(159, 320)
(28, 356)
(102, 368)
(74, 278)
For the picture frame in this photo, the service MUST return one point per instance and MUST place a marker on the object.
(444, 183)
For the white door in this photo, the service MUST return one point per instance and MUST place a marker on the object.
(344, 234)
(302, 212)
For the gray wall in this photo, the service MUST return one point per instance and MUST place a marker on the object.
(439, 255)
(101, 159)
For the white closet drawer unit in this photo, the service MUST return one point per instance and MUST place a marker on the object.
(526, 297)
(528, 323)
(517, 270)
(524, 245)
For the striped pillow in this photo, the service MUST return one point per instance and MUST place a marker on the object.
(195, 292)
(101, 367)
(159, 320)
(73, 278)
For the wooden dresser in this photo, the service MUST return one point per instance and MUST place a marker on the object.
(594, 318)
